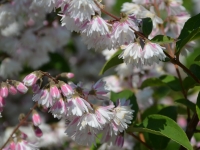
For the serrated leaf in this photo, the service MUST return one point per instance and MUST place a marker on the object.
(189, 32)
(164, 126)
(129, 95)
(160, 142)
(198, 106)
(147, 26)
(162, 39)
(187, 103)
(113, 61)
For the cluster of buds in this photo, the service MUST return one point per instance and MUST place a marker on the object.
(12, 87)
(88, 112)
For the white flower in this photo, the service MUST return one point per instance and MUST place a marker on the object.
(25, 146)
(83, 9)
(77, 106)
(123, 114)
(132, 54)
(130, 8)
(151, 14)
(122, 33)
(95, 27)
(70, 23)
(43, 97)
(104, 113)
(59, 108)
(152, 52)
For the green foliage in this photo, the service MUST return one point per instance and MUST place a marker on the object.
(187, 103)
(195, 69)
(168, 80)
(147, 26)
(160, 142)
(189, 83)
(113, 61)
(189, 32)
(162, 39)
(118, 5)
(129, 95)
(198, 105)
(197, 58)
(163, 126)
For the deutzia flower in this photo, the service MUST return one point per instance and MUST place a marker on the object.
(123, 114)
(77, 106)
(132, 54)
(95, 27)
(25, 146)
(43, 97)
(151, 14)
(59, 108)
(83, 9)
(152, 52)
(122, 33)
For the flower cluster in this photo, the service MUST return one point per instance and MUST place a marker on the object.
(88, 112)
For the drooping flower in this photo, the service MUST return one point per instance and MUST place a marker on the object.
(95, 27)
(123, 114)
(43, 97)
(122, 33)
(4, 90)
(59, 108)
(54, 91)
(77, 106)
(66, 88)
(83, 9)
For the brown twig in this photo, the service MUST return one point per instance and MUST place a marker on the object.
(17, 127)
(137, 138)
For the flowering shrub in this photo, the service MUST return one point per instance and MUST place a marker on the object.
(151, 101)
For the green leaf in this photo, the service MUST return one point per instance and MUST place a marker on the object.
(189, 32)
(197, 58)
(189, 83)
(152, 110)
(170, 81)
(160, 142)
(147, 26)
(198, 105)
(113, 61)
(164, 126)
(187, 103)
(162, 39)
(195, 69)
(129, 95)
(152, 82)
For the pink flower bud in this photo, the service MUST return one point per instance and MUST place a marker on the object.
(21, 88)
(12, 90)
(35, 88)
(70, 75)
(54, 92)
(4, 90)
(30, 79)
(38, 131)
(65, 88)
(12, 146)
(2, 102)
(36, 118)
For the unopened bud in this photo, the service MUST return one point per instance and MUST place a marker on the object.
(23, 136)
(36, 118)
(4, 90)
(54, 92)
(12, 146)
(69, 75)
(32, 78)
(21, 87)
(12, 90)
(65, 88)
(38, 131)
